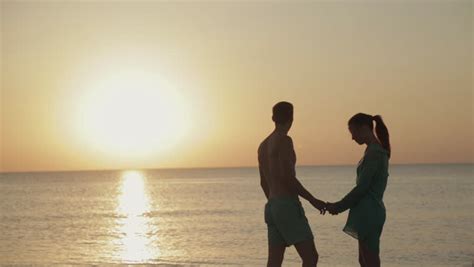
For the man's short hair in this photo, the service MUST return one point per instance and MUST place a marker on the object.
(282, 112)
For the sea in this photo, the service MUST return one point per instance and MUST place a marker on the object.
(215, 217)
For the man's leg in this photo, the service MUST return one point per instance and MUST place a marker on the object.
(307, 252)
(361, 256)
(275, 255)
(371, 258)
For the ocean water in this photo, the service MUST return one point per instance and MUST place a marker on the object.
(201, 217)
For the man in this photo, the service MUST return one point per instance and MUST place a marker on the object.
(284, 214)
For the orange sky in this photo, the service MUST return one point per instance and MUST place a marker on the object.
(91, 85)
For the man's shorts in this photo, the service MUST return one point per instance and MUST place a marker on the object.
(286, 221)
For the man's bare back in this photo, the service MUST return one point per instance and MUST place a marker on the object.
(277, 159)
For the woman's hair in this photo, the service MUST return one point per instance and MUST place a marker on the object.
(381, 130)
(282, 112)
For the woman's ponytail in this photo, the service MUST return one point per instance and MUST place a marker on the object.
(382, 133)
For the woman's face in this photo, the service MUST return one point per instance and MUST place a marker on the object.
(356, 132)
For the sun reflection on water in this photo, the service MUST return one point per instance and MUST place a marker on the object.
(135, 230)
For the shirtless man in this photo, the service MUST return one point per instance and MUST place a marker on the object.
(284, 214)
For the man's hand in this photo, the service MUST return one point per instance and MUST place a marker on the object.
(331, 208)
(320, 205)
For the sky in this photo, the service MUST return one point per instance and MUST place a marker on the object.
(122, 85)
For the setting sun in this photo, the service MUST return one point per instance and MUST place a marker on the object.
(131, 113)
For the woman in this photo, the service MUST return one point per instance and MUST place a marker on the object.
(367, 211)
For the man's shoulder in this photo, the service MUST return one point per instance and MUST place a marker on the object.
(282, 144)
(277, 142)
(262, 145)
(285, 141)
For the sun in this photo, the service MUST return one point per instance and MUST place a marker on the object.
(132, 113)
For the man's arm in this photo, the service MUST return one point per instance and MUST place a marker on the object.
(263, 181)
(289, 173)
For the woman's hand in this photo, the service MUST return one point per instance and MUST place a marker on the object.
(332, 208)
(320, 205)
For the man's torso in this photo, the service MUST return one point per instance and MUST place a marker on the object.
(275, 174)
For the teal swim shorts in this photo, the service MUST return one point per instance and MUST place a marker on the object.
(286, 221)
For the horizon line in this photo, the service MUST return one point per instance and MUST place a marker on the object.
(224, 167)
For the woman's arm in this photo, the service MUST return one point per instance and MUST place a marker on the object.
(369, 168)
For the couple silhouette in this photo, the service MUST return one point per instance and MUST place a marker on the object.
(284, 215)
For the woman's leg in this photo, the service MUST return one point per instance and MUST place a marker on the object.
(275, 255)
(370, 258)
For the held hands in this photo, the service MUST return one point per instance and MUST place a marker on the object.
(331, 208)
(325, 206)
(320, 205)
